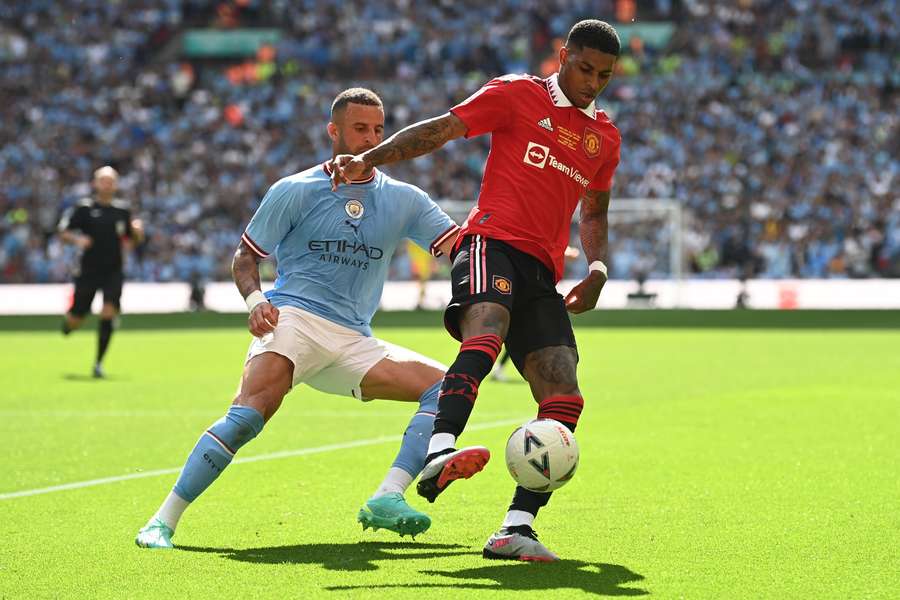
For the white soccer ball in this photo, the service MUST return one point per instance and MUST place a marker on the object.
(542, 455)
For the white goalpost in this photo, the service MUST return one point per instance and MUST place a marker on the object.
(646, 242)
(667, 215)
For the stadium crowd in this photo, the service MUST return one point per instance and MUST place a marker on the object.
(773, 123)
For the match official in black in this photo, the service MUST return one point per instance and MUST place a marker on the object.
(99, 226)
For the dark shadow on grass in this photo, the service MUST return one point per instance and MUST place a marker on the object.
(86, 378)
(596, 578)
(336, 557)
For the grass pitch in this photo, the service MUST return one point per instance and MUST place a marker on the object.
(716, 463)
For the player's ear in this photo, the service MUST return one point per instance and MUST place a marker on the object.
(332, 131)
(563, 55)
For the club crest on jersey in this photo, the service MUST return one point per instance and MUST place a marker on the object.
(502, 285)
(354, 209)
(120, 228)
(536, 155)
(591, 142)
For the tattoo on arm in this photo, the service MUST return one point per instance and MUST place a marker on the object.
(245, 270)
(594, 226)
(417, 139)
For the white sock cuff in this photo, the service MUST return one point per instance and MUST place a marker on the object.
(518, 517)
(441, 441)
(171, 510)
(396, 480)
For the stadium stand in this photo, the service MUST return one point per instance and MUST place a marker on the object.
(775, 123)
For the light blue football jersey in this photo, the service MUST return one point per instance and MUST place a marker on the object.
(333, 248)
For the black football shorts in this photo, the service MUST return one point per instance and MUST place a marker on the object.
(487, 270)
(86, 286)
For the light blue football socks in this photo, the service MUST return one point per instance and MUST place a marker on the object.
(213, 452)
(215, 449)
(414, 447)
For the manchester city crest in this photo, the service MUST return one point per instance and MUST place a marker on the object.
(354, 208)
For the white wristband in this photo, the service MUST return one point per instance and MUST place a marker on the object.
(598, 265)
(255, 297)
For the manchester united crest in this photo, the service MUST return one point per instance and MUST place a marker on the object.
(591, 143)
(502, 284)
(354, 208)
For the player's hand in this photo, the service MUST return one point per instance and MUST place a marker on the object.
(84, 241)
(584, 296)
(137, 230)
(346, 168)
(263, 319)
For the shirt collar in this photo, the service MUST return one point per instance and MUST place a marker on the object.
(327, 166)
(560, 100)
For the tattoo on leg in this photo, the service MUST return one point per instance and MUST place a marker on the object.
(556, 365)
(490, 318)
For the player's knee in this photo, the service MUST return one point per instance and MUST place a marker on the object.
(109, 311)
(265, 401)
(428, 399)
(262, 394)
(239, 425)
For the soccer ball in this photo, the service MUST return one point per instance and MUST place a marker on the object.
(542, 455)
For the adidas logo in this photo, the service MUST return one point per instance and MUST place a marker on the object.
(546, 124)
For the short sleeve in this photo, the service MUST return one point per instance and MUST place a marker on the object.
(72, 218)
(603, 180)
(274, 219)
(488, 109)
(429, 226)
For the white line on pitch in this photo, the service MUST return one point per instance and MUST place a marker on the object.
(249, 459)
(168, 414)
(212, 414)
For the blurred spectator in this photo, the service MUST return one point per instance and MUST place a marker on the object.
(773, 122)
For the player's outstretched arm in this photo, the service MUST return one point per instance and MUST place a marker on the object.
(245, 272)
(594, 231)
(412, 141)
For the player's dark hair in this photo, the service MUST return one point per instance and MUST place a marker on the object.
(355, 95)
(592, 33)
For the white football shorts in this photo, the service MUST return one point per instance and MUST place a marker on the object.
(327, 356)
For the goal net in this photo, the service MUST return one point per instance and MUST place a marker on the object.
(645, 236)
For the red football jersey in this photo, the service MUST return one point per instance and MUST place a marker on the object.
(545, 152)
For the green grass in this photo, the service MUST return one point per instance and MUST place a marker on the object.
(716, 463)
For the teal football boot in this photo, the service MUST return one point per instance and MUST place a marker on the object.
(392, 512)
(155, 534)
